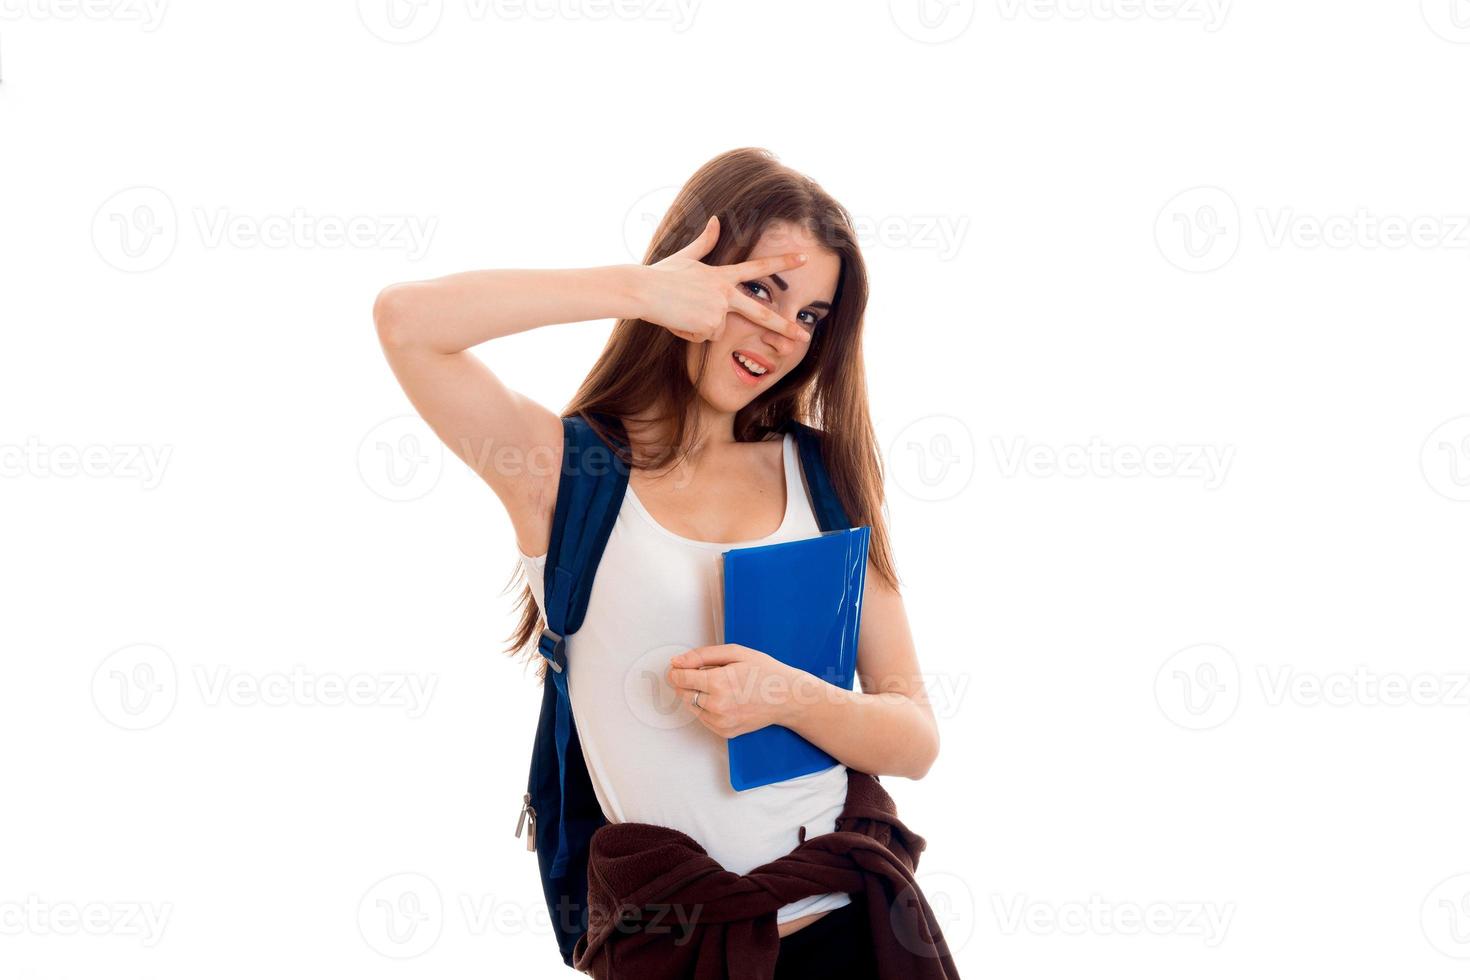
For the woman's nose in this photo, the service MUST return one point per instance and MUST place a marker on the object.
(779, 342)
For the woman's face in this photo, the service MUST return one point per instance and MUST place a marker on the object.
(804, 294)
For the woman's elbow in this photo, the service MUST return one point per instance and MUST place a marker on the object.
(928, 752)
(390, 316)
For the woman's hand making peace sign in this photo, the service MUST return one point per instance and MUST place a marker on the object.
(691, 299)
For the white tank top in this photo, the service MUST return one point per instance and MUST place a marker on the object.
(650, 760)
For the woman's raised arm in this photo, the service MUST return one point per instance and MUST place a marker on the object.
(427, 329)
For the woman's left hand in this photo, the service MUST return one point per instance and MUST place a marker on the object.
(740, 690)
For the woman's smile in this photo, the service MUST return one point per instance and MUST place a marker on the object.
(743, 363)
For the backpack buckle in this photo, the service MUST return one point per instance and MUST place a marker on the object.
(553, 646)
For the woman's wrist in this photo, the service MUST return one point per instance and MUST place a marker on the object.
(801, 694)
(628, 286)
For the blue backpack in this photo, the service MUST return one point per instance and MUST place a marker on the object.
(560, 804)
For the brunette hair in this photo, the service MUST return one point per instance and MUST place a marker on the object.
(643, 367)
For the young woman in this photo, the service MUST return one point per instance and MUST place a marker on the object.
(747, 312)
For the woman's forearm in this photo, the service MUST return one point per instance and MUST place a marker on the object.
(455, 312)
(884, 733)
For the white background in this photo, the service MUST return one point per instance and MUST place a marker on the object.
(1227, 699)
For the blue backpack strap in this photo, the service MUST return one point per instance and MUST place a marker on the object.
(589, 495)
(830, 514)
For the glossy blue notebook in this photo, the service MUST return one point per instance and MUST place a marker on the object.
(801, 602)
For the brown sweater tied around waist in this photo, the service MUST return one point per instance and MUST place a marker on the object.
(661, 908)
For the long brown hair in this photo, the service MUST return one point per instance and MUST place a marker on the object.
(643, 367)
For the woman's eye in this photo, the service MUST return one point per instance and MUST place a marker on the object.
(761, 292)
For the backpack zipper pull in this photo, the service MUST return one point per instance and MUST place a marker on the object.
(528, 812)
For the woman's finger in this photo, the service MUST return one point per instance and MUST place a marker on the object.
(705, 241)
(689, 679)
(768, 318)
(755, 268)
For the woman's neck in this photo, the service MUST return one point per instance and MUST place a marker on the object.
(705, 429)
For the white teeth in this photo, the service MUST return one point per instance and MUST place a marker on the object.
(755, 368)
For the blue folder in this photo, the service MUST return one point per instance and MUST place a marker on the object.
(801, 602)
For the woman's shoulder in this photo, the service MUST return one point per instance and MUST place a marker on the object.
(569, 446)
